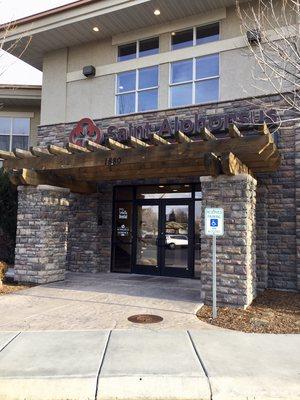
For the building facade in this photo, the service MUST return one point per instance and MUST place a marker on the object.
(153, 70)
(20, 109)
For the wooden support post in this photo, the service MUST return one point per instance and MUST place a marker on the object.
(114, 145)
(74, 148)
(183, 138)
(206, 135)
(57, 150)
(158, 140)
(92, 146)
(135, 142)
(234, 131)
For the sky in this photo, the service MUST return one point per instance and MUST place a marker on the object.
(13, 70)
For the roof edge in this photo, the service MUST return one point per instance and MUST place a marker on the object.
(47, 13)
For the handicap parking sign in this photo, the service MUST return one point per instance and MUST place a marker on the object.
(214, 221)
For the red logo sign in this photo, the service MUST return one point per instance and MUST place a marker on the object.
(85, 130)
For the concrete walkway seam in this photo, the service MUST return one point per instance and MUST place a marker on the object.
(101, 363)
(202, 364)
(13, 338)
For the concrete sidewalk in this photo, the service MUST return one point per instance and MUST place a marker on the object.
(102, 301)
(148, 364)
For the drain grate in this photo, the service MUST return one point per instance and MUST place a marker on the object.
(145, 319)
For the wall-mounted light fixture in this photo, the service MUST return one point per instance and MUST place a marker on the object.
(89, 70)
(253, 36)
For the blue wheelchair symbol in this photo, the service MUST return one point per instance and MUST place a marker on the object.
(214, 223)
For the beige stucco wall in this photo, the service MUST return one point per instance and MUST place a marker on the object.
(54, 87)
(68, 96)
(32, 112)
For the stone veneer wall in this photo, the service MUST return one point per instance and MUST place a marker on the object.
(278, 218)
(297, 199)
(89, 238)
(41, 234)
(236, 251)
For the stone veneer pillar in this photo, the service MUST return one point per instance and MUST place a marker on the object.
(90, 225)
(236, 264)
(41, 239)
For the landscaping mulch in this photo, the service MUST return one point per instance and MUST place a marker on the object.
(12, 287)
(272, 311)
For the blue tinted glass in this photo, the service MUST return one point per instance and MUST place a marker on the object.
(148, 47)
(181, 95)
(126, 81)
(20, 142)
(5, 125)
(126, 103)
(208, 33)
(127, 52)
(4, 142)
(182, 39)
(148, 77)
(148, 100)
(207, 66)
(207, 91)
(21, 126)
(182, 71)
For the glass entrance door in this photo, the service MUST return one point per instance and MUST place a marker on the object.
(147, 233)
(164, 240)
(176, 233)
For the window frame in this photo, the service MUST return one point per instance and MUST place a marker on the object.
(136, 91)
(11, 133)
(194, 81)
(137, 42)
(194, 28)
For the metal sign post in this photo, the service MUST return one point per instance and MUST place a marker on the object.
(214, 226)
(214, 278)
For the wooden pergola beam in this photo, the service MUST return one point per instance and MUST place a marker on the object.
(246, 149)
(114, 145)
(183, 138)
(135, 142)
(206, 135)
(158, 140)
(7, 155)
(74, 148)
(231, 165)
(20, 153)
(92, 146)
(234, 131)
(33, 178)
(212, 164)
(57, 150)
(39, 151)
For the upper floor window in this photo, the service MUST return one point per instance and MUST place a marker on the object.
(194, 81)
(137, 90)
(14, 133)
(141, 48)
(195, 36)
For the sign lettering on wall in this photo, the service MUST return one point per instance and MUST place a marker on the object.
(86, 129)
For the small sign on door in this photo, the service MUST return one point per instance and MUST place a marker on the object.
(214, 221)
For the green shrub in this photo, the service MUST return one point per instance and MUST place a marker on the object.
(8, 218)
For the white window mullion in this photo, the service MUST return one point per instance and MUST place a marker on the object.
(11, 134)
(136, 89)
(194, 79)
